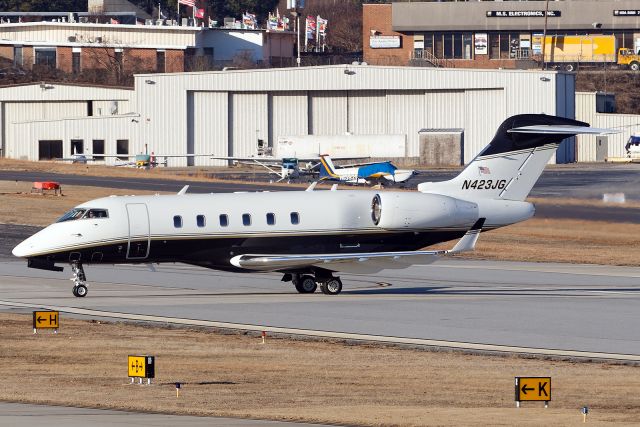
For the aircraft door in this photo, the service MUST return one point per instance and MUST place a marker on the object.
(138, 245)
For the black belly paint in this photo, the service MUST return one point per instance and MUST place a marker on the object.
(215, 253)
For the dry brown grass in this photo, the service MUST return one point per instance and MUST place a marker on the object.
(234, 375)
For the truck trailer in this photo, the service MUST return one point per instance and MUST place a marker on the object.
(570, 52)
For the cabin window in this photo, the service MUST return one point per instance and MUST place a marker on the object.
(97, 213)
(177, 221)
(246, 219)
(271, 218)
(200, 219)
(295, 218)
(224, 220)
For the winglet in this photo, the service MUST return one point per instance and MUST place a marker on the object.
(183, 191)
(468, 241)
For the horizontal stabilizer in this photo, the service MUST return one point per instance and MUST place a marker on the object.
(562, 130)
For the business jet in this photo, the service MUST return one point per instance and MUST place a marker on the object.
(363, 173)
(310, 236)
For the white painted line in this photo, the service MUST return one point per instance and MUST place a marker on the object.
(335, 335)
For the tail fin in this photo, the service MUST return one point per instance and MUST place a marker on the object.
(510, 165)
(327, 170)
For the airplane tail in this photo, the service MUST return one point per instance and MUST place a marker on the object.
(327, 170)
(511, 164)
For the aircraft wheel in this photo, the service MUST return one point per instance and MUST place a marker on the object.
(306, 285)
(80, 291)
(332, 286)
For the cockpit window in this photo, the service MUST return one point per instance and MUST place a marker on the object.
(72, 215)
(80, 213)
(97, 213)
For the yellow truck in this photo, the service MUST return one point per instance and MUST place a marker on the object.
(569, 52)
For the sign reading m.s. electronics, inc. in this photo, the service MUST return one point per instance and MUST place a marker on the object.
(522, 13)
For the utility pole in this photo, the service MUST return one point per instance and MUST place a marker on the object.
(544, 35)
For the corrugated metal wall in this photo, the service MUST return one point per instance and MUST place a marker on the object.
(208, 132)
(248, 122)
(104, 108)
(367, 112)
(108, 128)
(628, 124)
(328, 113)
(288, 115)
(406, 114)
(479, 129)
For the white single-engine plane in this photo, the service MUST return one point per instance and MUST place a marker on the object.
(308, 236)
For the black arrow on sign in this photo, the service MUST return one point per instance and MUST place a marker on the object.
(525, 389)
(40, 319)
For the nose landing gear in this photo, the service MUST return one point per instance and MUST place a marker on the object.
(79, 280)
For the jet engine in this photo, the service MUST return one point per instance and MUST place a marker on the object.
(398, 210)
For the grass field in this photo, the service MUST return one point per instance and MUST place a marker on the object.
(330, 382)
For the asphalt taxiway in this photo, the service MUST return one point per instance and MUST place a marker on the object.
(18, 414)
(552, 309)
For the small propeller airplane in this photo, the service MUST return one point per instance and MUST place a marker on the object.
(309, 235)
(363, 173)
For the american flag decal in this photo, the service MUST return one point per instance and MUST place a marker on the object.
(484, 170)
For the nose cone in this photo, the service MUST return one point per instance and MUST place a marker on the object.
(24, 249)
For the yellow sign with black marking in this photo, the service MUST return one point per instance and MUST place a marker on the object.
(533, 388)
(141, 366)
(46, 320)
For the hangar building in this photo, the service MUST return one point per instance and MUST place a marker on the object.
(225, 113)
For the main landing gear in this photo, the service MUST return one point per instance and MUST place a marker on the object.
(307, 284)
(79, 280)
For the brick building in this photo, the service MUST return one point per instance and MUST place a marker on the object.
(487, 34)
(75, 47)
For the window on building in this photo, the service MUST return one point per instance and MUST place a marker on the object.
(246, 219)
(295, 218)
(160, 61)
(48, 150)
(428, 43)
(224, 220)
(418, 46)
(17, 56)
(271, 219)
(122, 147)
(494, 45)
(45, 56)
(447, 45)
(209, 55)
(201, 220)
(118, 58)
(177, 221)
(467, 46)
(77, 146)
(75, 62)
(437, 45)
(97, 148)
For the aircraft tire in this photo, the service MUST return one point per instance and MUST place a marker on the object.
(306, 285)
(332, 286)
(80, 291)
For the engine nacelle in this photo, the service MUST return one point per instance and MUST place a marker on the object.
(399, 210)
